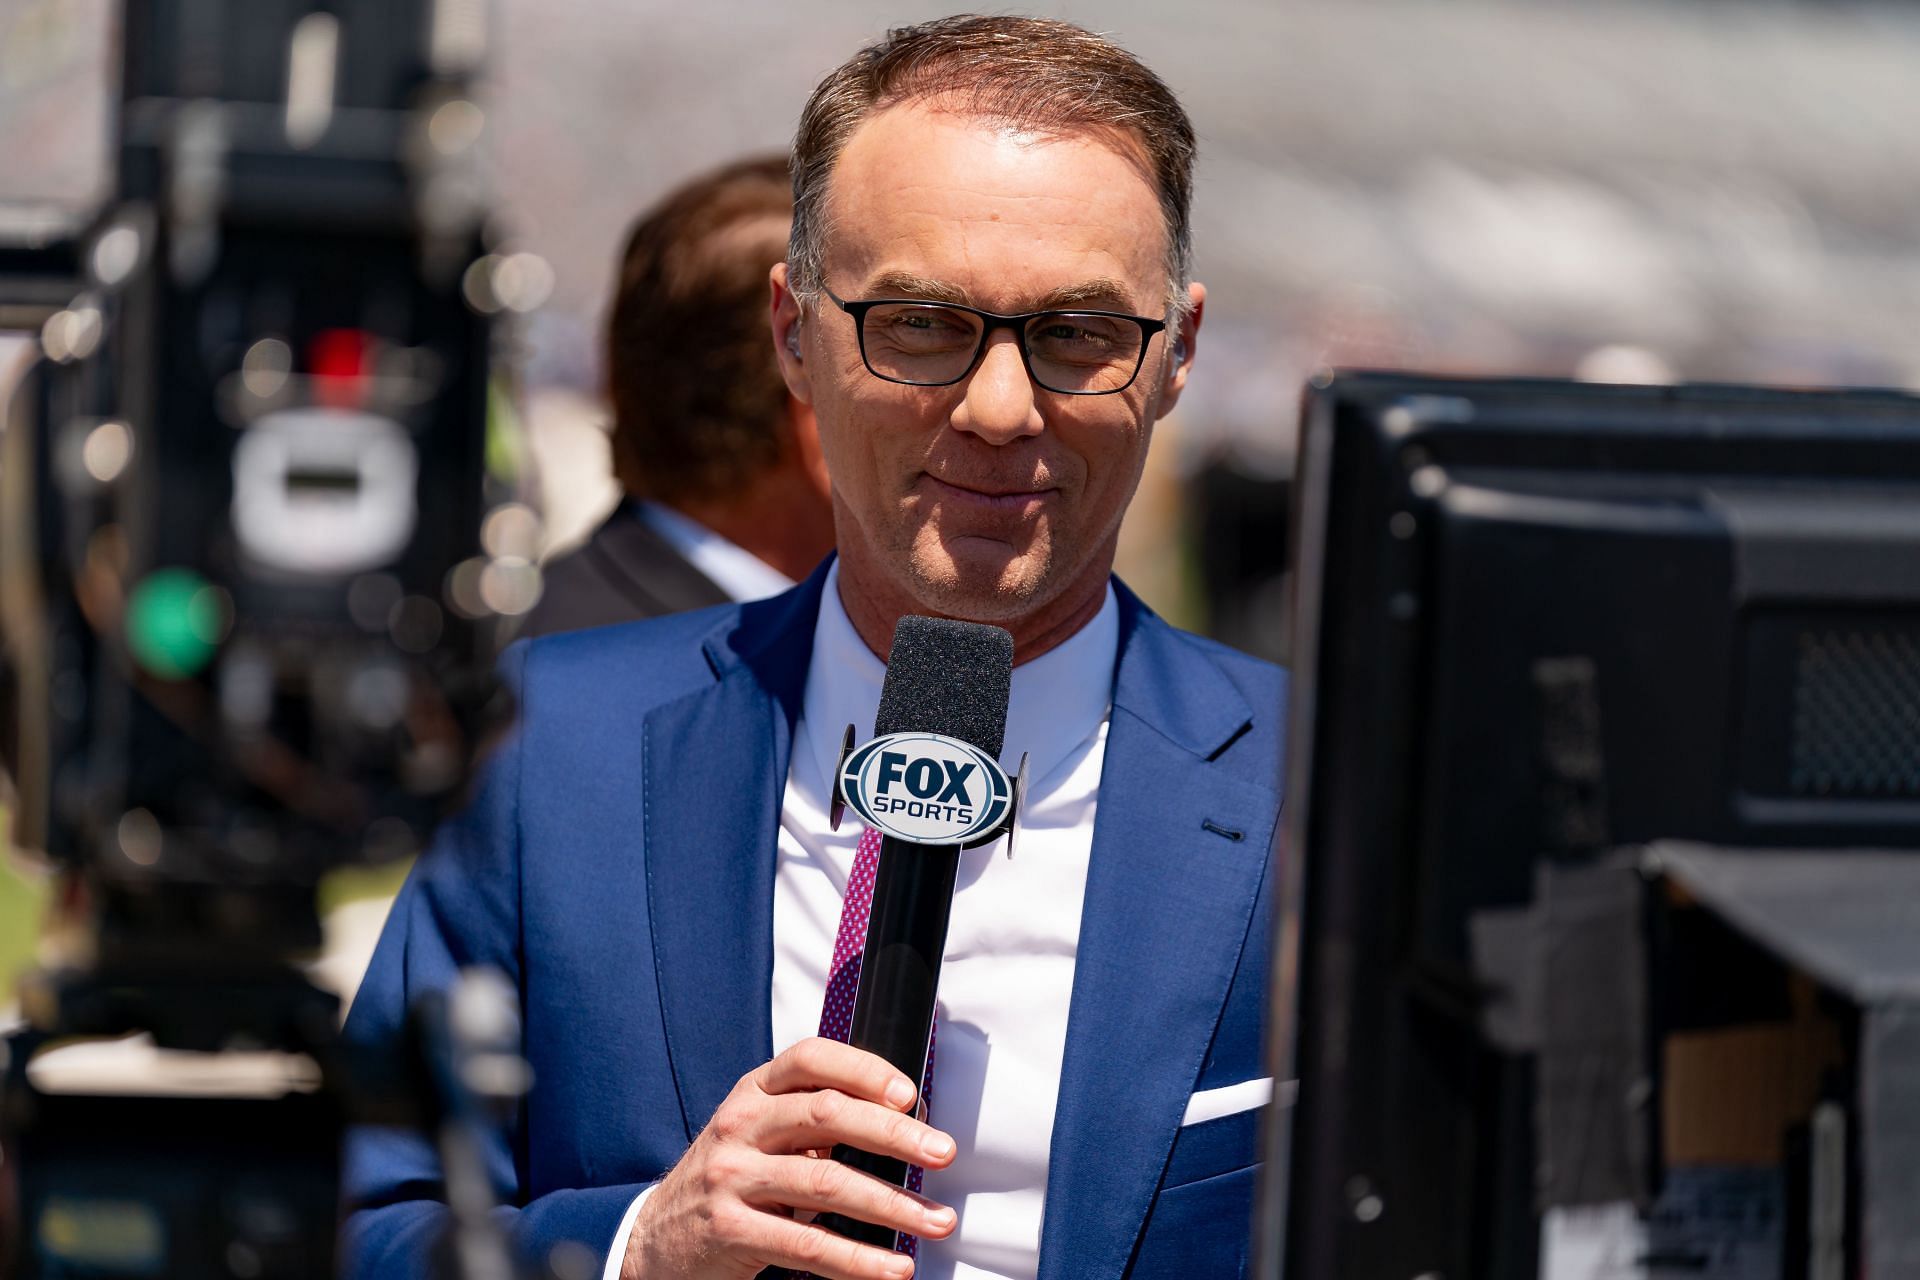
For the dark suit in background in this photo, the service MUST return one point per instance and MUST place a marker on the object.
(624, 572)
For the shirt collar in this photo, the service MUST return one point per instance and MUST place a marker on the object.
(731, 567)
(1058, 699)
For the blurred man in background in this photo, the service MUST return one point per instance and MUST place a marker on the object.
(725, 489)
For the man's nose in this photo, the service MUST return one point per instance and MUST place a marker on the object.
(999, 404)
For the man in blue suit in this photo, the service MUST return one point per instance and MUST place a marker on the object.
(987, 302)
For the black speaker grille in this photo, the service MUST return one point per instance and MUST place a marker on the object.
(1856, 713)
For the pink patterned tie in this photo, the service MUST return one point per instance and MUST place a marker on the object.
(843, 979)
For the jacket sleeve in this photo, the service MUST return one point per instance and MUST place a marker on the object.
(459, 907)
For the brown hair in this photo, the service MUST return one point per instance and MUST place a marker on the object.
(698, 401)
(1032, 74)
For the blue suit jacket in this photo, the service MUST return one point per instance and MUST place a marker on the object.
(617, 864)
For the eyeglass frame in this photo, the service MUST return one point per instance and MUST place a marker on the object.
(992, 321)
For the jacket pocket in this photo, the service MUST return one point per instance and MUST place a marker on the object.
(1200, 1230)
(1213, 1147)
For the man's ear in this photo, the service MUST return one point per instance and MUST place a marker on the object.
(789, 335)
(1179, 359)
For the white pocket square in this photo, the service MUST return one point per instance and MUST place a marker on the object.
(1231, 1099)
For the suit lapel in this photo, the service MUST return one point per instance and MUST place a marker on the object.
(714, 768)
(1169, 899)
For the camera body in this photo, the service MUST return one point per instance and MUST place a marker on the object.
(257, 549)
(260, 446)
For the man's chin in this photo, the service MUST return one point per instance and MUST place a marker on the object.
(980, 580)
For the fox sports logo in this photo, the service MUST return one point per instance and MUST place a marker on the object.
(927, 789)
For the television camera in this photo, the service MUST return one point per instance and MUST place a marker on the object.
(257, 546)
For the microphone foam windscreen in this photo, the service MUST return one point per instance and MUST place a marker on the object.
(947, 677)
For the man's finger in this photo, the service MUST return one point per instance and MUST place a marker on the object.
(821, 1186)
(796, 1122)
(805, 1247)
(827, 1064)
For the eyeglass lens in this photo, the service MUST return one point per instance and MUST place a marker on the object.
(1067, 351)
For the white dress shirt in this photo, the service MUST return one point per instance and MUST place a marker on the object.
(1006, 979)
(728, 565)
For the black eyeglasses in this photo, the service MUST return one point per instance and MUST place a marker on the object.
(936, 344)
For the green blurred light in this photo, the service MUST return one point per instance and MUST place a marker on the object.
(175, 621)
(506, 440)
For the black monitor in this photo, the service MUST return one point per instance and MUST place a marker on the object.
(1536, 621)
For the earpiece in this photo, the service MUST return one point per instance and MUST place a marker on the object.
(793, 343)
(1180, 352)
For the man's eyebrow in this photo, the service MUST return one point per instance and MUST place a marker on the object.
(1102, 292)
(908, 284)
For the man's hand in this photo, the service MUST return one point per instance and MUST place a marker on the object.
(744, 1195)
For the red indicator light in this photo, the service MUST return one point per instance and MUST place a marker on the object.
(340, 361)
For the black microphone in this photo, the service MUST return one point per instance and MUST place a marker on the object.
(949, 679)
